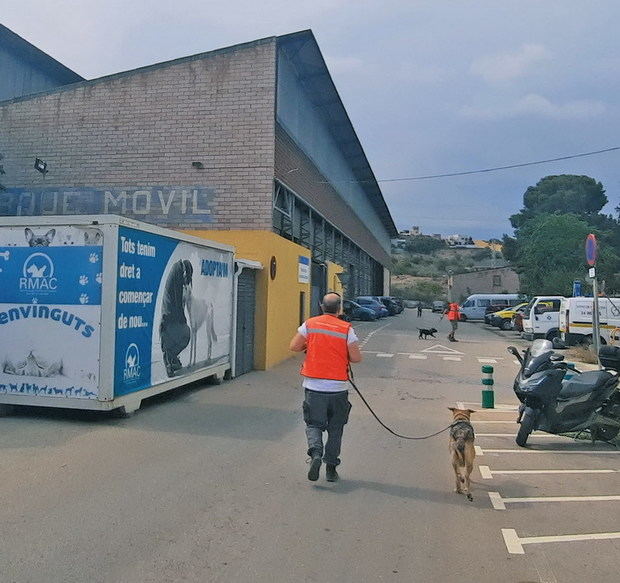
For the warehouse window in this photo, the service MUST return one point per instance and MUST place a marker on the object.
(497, 281)
(283, 200)
(293, 219)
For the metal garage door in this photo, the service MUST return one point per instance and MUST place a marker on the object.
(246, 303)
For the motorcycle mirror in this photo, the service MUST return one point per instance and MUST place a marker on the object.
(515, 353)
(557, 357)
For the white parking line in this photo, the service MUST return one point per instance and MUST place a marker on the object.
(514, 543)
(418, 356)
(499, 503)
(523, 450)
(384, 355)
(487, 473)
(492, 421)
(487, 360)
(501, 407)
(371, 334)
(535, 434)
(454, 358)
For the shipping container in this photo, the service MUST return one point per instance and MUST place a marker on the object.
(100, 312)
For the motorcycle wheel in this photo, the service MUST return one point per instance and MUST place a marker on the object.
(527, 426)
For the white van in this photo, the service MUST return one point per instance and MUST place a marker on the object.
(541, 318)
(474, 307)
(576, 320)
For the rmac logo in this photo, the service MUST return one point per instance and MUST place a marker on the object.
(38, 273)
(132, 363)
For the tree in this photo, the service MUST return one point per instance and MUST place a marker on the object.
(549, 254)
(566, 193)
(424, 244)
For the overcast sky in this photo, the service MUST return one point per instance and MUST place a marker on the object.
(431, 86)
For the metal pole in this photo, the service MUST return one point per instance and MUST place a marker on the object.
(449, 287)
(596, 334)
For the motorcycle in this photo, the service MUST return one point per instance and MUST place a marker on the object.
(552, 403)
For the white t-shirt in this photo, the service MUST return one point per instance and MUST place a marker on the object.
(326, 385)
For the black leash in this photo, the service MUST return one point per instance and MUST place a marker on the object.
(381, 422)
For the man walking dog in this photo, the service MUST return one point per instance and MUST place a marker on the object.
(330, 344)
(453, 317)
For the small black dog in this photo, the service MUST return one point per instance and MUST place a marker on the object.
(426, 332)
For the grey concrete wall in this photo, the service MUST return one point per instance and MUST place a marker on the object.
(125, 144)
(482, 282)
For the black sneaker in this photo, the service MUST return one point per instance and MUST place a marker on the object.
(315, 466)
(331, 475)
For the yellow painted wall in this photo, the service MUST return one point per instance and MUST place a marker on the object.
(277, 300)
(494, 246)
(333, 283)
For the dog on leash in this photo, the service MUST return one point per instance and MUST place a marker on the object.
(462, 449)
(426, 332)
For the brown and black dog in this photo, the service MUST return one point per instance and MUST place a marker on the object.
(462, 449)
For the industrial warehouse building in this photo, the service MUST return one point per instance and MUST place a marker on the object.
(248, 145)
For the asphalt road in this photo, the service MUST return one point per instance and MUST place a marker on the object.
(208, 484)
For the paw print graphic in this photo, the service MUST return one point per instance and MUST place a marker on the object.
(93, 257)
(35, 301)
(83, 280)
(99, 278)
(83, 298)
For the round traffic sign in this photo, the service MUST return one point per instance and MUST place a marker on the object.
(591, 249)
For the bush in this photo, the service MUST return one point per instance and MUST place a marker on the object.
(424, 244)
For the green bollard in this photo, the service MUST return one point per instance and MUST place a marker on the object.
(488, 394)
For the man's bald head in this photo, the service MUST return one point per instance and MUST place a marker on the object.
(331, 303)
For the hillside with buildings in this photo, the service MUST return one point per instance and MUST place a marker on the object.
(422, 264)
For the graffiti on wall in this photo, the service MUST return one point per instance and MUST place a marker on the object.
(164, 205)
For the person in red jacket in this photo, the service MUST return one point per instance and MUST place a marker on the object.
(330, 344)
(453, 316)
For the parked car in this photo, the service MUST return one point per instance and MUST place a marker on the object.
(541, 318)
(354, 311)
(576, 320)
(503, 318)
(373, 304)
(412, 303)
(438, 306)
(491, 311)
(392, 307)
(474, 308)
(399, 302)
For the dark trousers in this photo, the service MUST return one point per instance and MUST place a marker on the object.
(325, 412)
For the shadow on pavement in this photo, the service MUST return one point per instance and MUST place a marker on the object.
(169, 412)
(411, 492)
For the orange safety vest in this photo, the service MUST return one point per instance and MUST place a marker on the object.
(327, 354)
(453, 312)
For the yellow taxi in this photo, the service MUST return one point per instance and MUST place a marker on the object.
(503, 318)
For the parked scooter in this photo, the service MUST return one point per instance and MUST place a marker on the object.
(588, 401)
